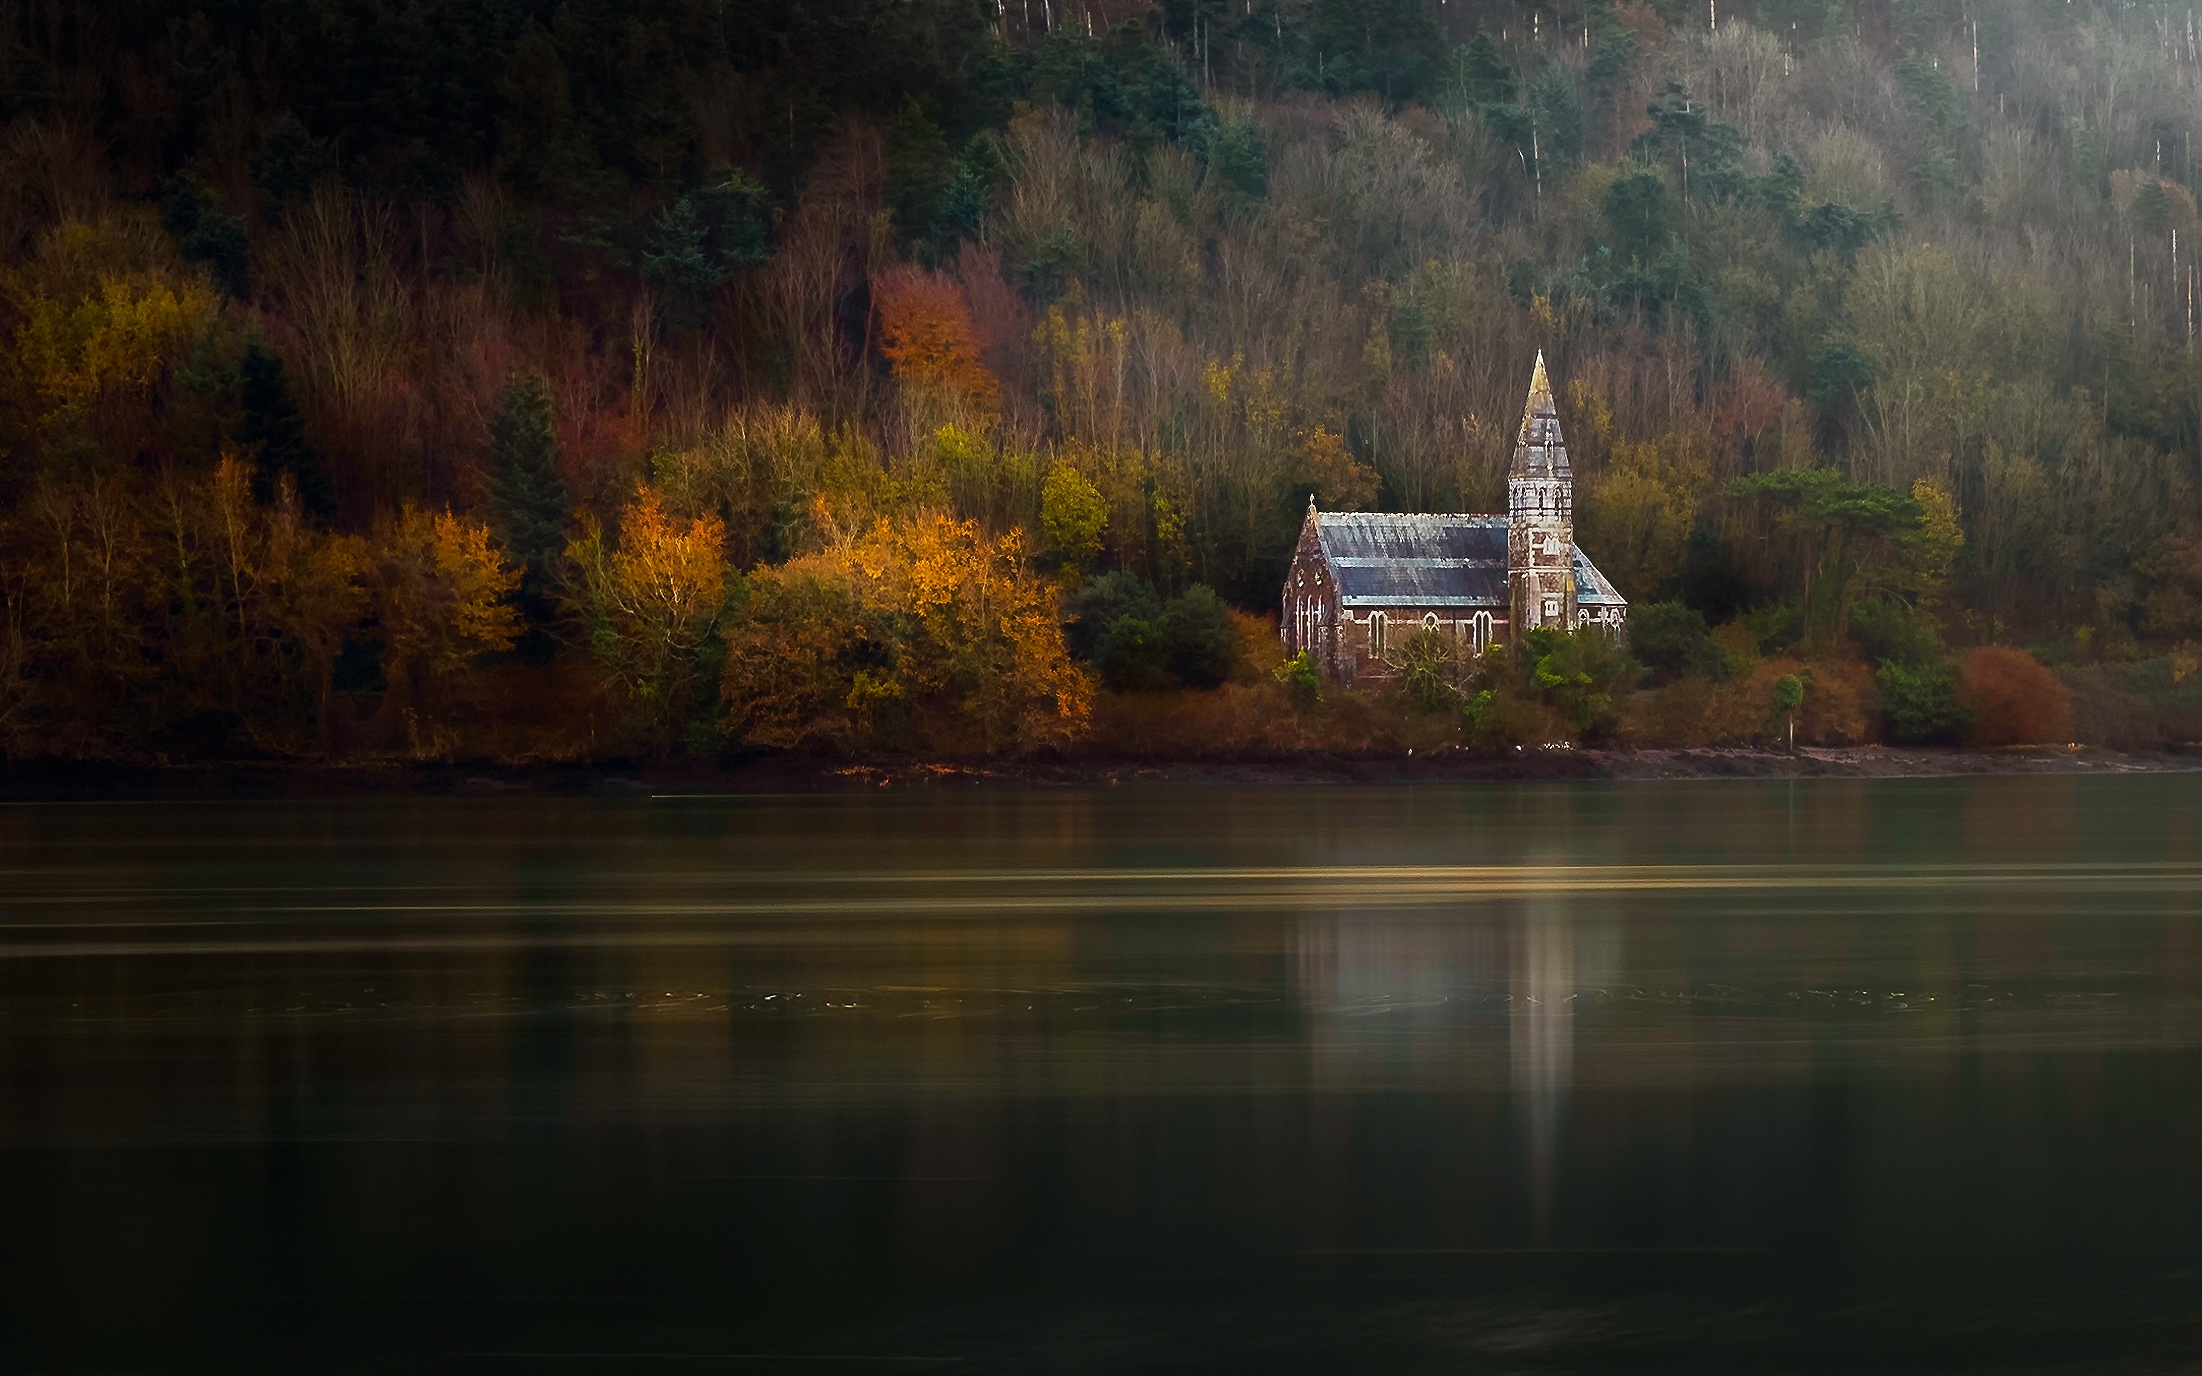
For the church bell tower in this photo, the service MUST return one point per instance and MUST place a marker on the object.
(1540, 518)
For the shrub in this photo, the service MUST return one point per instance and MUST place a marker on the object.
(1142, 644)
(1577, 674)
(1429, 670)
(930, 625)
(1090, 611)
(1920, 703)
(1132, 656)
(1299, 675)
(1670, 639)
(1199, 638)
(2013, 698)
(1890, 629)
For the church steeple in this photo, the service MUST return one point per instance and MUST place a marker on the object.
(1540, 511)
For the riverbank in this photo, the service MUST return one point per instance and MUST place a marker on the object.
(28, 781)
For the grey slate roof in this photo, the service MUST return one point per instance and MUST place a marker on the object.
(1592, 588)
(1388, 559)
(1384, 559)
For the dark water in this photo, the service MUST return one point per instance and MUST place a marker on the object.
(1779, 1077)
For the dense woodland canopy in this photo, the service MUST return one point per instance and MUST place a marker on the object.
(553, 377)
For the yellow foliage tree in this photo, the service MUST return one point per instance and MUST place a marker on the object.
(441, 595)
(927, 622)
(1338, 480)
(1931, 548)
(1638, 513)
(653, 603)
(1073, 515)
(101, 316)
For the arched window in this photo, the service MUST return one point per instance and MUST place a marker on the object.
(1376, 633)
(1429, 621)
(1482, 632)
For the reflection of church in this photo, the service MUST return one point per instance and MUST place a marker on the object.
(1362, 583)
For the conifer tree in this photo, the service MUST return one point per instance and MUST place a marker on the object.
(527, 491)
(274, 434)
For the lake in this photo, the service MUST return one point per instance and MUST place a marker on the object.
(1788, 1076)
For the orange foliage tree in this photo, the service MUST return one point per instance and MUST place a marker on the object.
(925, 632)
(2014, 698)
(925, 332)
(652, 603)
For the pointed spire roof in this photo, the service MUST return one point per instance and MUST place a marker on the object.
(1540, 399)
(1539, 451)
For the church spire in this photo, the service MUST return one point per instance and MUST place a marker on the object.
(1539, 451)
(1540, 510)
(1540, 399)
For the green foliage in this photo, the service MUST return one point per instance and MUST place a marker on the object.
(1920, 703)
(702, 240)
(1199, 638)
(1300, 675)
(1703, 155)
(1636, 207)
(981, 170)
(1848, 537)
(1132, 656)
(527, 488)
(272, 433)
(1889, 629)
(1788, 694)
(1099, 604)
(1430, 671)
(1239, 156)
(1073, 515)
(1671, 639)
(1578, 673)
(1190, 642)
(193, 214)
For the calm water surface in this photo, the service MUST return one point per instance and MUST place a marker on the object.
(1809, 1076)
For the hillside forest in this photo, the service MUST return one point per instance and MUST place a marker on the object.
(578, 379)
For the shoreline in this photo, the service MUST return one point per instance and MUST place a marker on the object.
(57, 781)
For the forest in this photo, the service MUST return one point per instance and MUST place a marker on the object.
(582, 379)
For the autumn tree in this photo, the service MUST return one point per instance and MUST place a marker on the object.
(1073, 516)
(925, 333)
(1328, 470)
(652, 600)
(923, 632)
(441, 590)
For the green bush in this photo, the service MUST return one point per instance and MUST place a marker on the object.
(1132, 656)
(1670, 640)
(1920, 703)
(1578, 674)
(1887, 628)
(1089, 612)
(1300, 675)
(1199, 639)
(1190, 642)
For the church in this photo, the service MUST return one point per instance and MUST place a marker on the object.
(1362, 582)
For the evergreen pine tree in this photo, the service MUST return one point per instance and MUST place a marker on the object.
(274, 434)
(527, 492)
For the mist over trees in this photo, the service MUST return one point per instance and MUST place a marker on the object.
(544, 378)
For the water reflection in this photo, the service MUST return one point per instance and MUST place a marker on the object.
(1787, 1076)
